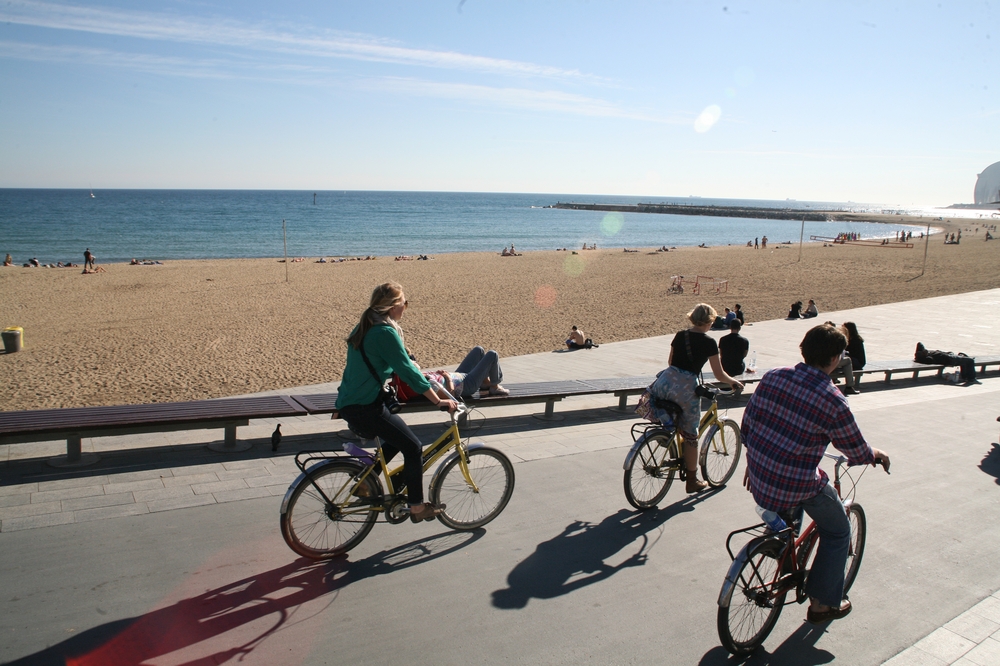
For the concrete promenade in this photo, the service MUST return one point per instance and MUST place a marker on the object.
(164, 532)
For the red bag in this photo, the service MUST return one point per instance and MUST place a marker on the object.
(403, 391)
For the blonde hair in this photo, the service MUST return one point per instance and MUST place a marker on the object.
(702, 314)
(384, 298)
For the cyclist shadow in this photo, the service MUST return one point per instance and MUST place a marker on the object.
(253, 608)
(991, 462)
(799, 649)
(577, 556)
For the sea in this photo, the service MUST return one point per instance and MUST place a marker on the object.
(160, 225)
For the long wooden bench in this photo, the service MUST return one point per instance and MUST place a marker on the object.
(76, 423)
(520, 394)
(889, 368)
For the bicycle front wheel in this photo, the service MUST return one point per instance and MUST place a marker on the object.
(720, 452)
(321, 525)
(859, 530)
(754, 601)
(466, 507)
(651, 470)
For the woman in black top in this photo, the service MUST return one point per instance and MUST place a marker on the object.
(855, 347)
(689, 350)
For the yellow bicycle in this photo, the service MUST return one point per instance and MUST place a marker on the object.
(333, 504)
(657, 454)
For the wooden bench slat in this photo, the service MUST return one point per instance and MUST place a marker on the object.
(84, 418)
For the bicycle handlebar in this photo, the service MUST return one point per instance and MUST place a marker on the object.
(842, 460)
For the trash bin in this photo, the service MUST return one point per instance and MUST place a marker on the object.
(12, 339)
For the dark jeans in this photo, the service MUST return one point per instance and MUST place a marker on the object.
(826, 578)
(396, 436)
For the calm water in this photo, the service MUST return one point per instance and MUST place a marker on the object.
(117, 225)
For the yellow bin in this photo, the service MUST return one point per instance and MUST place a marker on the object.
(13, 339)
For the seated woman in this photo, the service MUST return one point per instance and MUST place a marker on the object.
(811, 310)
(796, 311)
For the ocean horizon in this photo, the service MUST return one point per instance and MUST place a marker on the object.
(118, 225)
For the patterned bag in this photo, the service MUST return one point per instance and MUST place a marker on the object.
(645, 407)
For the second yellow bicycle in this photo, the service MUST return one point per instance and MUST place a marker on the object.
(657, 454)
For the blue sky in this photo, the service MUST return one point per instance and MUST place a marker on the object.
(888, 102)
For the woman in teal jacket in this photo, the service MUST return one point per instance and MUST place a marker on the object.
(360, 401)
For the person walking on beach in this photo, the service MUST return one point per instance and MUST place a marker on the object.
(763, 242)
(88, 260)
(756, 243)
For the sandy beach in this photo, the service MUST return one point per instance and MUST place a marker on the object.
(190, 330)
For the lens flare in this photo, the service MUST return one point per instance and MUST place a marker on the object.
(573, 265)
(744, 76)
(612, 224)
(545, 296)
(708, 118)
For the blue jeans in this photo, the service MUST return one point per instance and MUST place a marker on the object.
(826, 578)
(477, 366)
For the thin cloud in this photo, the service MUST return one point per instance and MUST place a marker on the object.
(290, 40)
(517, 98)
(214, 68)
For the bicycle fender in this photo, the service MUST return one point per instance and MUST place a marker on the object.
(736, 566)
(302, 479)
(633, 451)
(454, 454)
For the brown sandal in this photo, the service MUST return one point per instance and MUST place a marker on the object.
(426, 511)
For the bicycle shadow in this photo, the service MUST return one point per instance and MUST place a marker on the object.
(576, 557)
(799, 649)
(261, 605)
(991, 462)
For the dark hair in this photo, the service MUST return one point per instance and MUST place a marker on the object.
(852, 331)
(822, 344)
(735, 325)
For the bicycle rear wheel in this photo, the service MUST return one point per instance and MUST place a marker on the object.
(720, 452)
(651, 471)
(469, 508)
(319, 529)
(753, 603)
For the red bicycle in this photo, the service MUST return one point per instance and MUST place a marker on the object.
(772, 564)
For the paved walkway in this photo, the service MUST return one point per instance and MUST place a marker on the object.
(161, 472)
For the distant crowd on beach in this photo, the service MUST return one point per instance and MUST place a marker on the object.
(89, 263)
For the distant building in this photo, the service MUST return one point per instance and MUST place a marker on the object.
(988, 185)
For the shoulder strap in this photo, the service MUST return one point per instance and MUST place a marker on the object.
(687, 344)
(364, 356)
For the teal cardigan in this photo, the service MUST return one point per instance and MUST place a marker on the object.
(387, 354)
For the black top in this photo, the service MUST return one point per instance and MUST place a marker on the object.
(856, 350)
(702, 347)
(733, 349)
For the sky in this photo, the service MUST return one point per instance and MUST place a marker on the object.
(876, 102)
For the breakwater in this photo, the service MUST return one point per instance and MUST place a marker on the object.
(713, 211)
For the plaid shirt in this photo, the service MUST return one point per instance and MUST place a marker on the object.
(792, 416)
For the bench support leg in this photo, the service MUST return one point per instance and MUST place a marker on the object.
(74, 455)
(622, 404)
(549, 414)
(230, 444)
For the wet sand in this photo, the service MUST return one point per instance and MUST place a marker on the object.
(189, 330)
